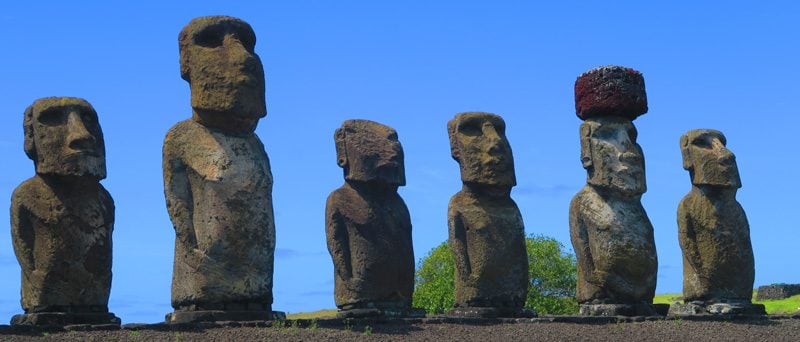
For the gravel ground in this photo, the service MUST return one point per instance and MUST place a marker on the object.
(661, 330)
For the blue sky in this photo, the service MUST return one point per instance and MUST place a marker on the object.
(413, 65)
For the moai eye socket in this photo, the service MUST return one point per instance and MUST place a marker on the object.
(52, 117)
(470, 127)
(211, 37)
(702, 141)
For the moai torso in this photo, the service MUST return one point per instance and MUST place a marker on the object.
(371, 235)
(62, 218)
(486, 233)
(368, 226)
(713, 231)
(617, 261)
(492, 263)
(219, 190)
(62, 236)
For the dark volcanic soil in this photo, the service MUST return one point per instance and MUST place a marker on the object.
(661, 330)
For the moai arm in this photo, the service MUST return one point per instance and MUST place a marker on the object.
(687, 237)
(22, 233)
(458, 244)
(579, 235)
(178, 193)
(338, 241)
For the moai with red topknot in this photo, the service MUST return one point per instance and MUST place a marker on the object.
(610, 231)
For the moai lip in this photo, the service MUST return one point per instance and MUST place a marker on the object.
(486, 232)
(714, 235)
(62, 218)
(368, 226)
(610, 91)
(217, 180)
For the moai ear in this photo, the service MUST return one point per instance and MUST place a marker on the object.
(341, 147)
(586, 145)
(455, 152)
(685, 153)
(27, 123)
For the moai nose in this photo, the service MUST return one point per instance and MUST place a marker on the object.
(78, 137)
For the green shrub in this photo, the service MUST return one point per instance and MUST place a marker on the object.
(552, 272)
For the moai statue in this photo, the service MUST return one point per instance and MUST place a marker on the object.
(217, 179)
(718, 265)
(62, 218)
(368, 226)
(610, 232)
(487, 236)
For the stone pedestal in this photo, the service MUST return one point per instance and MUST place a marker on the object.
(381, 313)
(624, 309)
(181, 317)
(492, 312)
(42, 319)
(699, 309)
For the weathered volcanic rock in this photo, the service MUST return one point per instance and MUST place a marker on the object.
(718, 263)
(610, 231)
(368, 226)
(610, 91)
(487, 235)
(217, 179)
(62, 218)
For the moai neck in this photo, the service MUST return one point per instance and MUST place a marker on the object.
(486, 190)
(722, 193)
(615, 195)
(372, 188)
(68, 184)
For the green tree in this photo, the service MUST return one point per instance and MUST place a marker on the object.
(551, 269)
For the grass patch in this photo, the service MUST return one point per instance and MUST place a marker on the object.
(328, 313)
(774, 307)
(781, 306)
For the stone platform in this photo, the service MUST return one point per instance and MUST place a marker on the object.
(491, 312)
(376, 312)
(629, 310)
(60, 319)
(735, 309)
(183, 317)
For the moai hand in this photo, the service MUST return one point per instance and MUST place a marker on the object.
(368, 226)
(718, 264)
(610, 231)
(217, 179)
(62, 218)
(487, 236)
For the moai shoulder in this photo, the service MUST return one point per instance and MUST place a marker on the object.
(368, 226)
(486, 232)
(62, 218)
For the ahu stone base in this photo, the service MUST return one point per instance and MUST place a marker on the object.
(381, 313)
(182, 317)
(491, 312)
(60, 319)
(629, 310)
(700, 309)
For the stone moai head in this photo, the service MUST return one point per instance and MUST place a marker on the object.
(611, 156)
(478, 143)
(708, 160)
(370, 152)
(224, 72)
(608, 99)
(63, 138)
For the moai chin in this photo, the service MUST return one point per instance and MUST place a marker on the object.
(367, 225)
(610, 231)
(718, 265)
(217, 179)
(62, 218)
(487, 236)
